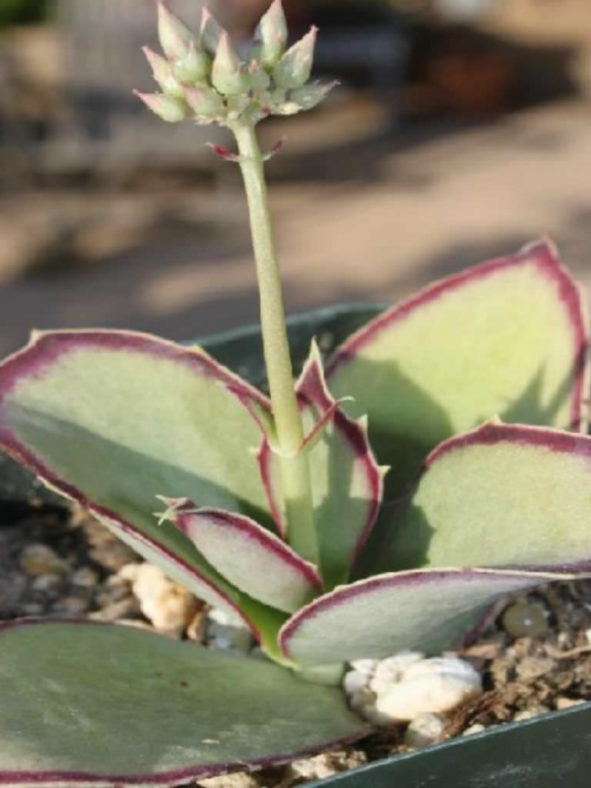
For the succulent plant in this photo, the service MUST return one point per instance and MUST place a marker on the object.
(277, 508)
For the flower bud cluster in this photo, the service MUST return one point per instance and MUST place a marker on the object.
(203, 77)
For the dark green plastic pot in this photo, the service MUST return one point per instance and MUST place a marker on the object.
(552, 751)
(547, 752)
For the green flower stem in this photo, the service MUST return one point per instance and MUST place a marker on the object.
(295, 472)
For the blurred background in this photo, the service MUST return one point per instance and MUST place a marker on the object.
(460, 130)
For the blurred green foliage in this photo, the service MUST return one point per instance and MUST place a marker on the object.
(20, 12)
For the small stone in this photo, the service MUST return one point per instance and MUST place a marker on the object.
(70, 606)
(365, 666)
(433, 686)
(326, 764)
(112, 556)
(168, 605)
(48, 585)
(484, 651)
(567, 703)
(110, 595)
(362, 699)
(392, 670)
(197, 626)
(225, 638)
(85, 577)
(525, 619)
(529, 714)
(238, 780)
(424, 730)
(354, 682)
(531, 668)
(39, 559)
(478, 727)
(123, 608)
(224, 617)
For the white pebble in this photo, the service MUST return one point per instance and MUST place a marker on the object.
(354, 682)
(406, 686)
(225, 618)
(391, 670)
(478, 727)
(424, 730)
(365, 666)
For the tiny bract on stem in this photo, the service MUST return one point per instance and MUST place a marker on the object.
(474, 392)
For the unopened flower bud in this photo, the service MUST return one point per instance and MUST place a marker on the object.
(193, 67)
(211, 31)
(295, 67)
(272, 35)
(162, 71)
(204, 102)
(258, 77)
(175, 37)
(311, 95)
(168, 108)
(227, 75)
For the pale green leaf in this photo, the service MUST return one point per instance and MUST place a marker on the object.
(253, 559)
(501, 495)
(428, 610)
(113, 419)
(92, 704)
(506, 338)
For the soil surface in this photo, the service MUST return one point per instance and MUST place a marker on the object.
(534, 653)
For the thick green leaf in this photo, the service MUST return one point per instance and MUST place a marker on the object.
(241, 351)
(254, 560)
(347, 483)
(429, 610)
(501, 495)
(112, 419)
(508, 337)
(92, 704)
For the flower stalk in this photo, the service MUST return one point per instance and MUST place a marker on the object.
(295, 473)
(203, 77)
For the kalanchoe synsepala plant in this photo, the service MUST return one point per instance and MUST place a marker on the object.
(474, 392)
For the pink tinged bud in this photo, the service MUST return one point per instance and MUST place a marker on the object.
(167, 108)
(227, 75)
(211, 31)
(194, 67)
(175, 37)
(295, 67)
(272, 35)
(310, 96)
(162, 71)
(204, 102)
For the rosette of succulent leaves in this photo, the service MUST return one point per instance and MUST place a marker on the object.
(278, 508)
